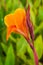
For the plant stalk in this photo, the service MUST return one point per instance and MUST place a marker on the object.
(34, 52)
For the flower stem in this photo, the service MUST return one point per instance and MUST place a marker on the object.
(34, 52)
(35, 57)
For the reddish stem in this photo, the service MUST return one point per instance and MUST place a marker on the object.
(34, 52)
(35, 57)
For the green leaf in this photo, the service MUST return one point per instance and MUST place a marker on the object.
(21, 45)
(31, 62)
(4, 35)
(40, 63)
(23, 2)
(39, 46)
(4, 46)
(1, 63)
(37, 3)
(12, 5)
(42, 43)
(17, 4)
(1, 20)
(29, 1)
(39, 29)
(32, 16)
(10, 58)
(30, 51)
(40, 13)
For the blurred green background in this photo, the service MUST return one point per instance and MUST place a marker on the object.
(16, 50)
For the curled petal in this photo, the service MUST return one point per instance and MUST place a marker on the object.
(10, 30)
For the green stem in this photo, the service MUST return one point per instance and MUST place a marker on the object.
(13, 39)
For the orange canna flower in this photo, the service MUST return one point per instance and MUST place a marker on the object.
(19, 22)
(16, 22)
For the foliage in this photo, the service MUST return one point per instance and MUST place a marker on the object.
(16, 50)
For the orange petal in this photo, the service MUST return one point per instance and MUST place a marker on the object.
(10, 30)
(15, 18)
(9, 20)
(19, 16)
(20, 20)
